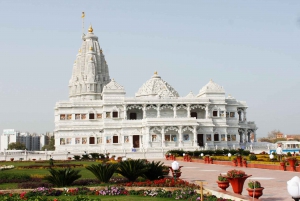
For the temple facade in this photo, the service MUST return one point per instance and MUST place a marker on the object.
(98, 117)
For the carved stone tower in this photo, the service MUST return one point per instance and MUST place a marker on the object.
(90, 70)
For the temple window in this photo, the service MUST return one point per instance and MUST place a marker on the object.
(115, 114)
(232, 114)
(92, 140)
(222, 114)
(99, 116)
(91, 116)
(227, 114)
(62, 117)
(132, 116)
(215, 113)
(208, 137)
(69, 116)
(83, 116)
(107, 114)
(170, 138)
(216, 137)
(194, 114)
(115, 139)
(77, 116)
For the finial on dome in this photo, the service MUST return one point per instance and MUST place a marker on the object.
(155, 73)
(211, 80)
(79, 50)
(91, 29)
(101, 50)
(91, 48)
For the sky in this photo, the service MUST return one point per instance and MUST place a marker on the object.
(249, 47)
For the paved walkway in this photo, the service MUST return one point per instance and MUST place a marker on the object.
(274, 181)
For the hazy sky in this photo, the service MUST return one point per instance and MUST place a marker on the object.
(251, 48)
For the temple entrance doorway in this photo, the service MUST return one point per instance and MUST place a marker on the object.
(200, 140)
(136, 141)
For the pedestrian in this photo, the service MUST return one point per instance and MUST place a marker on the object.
(279, 152)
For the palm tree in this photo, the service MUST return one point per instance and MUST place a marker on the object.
(155, 170)
(132, 169)
(104, 171)
(63, 177)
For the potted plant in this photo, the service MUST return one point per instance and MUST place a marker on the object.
(234, 162)
(12, 159)
(237, 179)
(206, 159)
(211, 160)
(255, 190)
(244, 162)
(283, 165)
(292, 161)
(223, 182)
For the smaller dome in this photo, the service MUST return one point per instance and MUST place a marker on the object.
(211, 88)
(156, 87)
(113, 86)
(190, 95)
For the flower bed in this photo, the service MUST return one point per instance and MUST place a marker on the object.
(6, 167)
(165, 182)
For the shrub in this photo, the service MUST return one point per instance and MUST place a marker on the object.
(63, 177)
(155, 170)
(222, 178)
(85, 157)
(254, 184)
(132, 169)
(104, 171)
(94, 155)
(288, 154)
(85, 182)
(252, 157)
(76, 157)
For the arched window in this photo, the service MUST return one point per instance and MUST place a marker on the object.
(216, 137)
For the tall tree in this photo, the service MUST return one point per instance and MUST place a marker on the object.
(273, 134)
(50, 146)
(16, 146)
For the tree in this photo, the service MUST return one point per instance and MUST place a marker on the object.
(50, 146)
(273, 134)
(16, 146)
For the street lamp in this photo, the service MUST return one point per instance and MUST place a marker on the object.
(175, 167)
(293, 188)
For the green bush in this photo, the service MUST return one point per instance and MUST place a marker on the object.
(94, 155)
(76, 157)
(252, 157)
(103, 172)
(132, 169)
(61, 178)
(155, 170)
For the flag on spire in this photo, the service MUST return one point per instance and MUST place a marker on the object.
(83, 15)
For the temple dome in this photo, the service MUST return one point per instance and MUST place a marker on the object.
(211, 88)
(156, 87)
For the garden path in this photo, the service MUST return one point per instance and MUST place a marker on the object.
(274, 181)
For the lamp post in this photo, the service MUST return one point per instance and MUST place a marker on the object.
(229, 155)
(175, 167)
(293, 186)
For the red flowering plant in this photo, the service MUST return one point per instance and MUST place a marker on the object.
(165, 182)
(236, 174)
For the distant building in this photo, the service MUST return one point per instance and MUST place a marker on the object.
(32, 142)
(279, 135)
(292, 137)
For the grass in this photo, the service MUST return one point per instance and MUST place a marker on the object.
(41, 171)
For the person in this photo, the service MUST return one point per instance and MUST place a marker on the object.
(279, 152)
(51, 161)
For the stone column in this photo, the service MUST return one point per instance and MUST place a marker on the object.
(240, 115)
(158, 110)
(195, 136)
(175, 110)
(148, 138)
(163, 144)
(206, 111)
(245, 133)
(144, 111)
(125, 111)
(180, 136)
(188, 110)
(245, 115)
